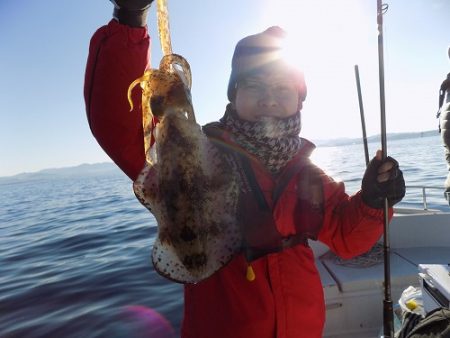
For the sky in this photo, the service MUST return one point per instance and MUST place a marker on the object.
(44, 45)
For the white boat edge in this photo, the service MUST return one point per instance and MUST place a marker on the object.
(354, 295)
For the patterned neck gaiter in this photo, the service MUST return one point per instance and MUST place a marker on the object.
(273, 141)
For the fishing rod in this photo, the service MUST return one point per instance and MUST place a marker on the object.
(388, 314)
(361, 112)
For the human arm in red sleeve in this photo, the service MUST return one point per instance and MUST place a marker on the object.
(353, 224)
(118, 54)
(350, 227)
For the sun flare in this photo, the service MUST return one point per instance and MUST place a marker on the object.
(321, 30)
(326, 39)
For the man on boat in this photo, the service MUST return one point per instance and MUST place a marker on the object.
(298, 200)
(444, 114)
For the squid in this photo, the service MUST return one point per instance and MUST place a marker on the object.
(187, 182)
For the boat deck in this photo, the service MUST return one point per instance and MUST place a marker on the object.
(354, 289)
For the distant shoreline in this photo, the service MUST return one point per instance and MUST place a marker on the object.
(374, 138)
(84, 169)
(111, 168)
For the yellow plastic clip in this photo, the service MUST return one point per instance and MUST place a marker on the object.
(250, 274)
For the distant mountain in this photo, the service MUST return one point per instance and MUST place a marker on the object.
(106, 168)
(82, 169)
(375, 138)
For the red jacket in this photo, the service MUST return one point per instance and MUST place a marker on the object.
(286, 298)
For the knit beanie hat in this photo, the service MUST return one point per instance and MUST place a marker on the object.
(259, 51)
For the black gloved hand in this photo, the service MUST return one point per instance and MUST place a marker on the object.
(382, 179)
(131, 12)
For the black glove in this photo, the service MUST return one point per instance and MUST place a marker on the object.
(131, 12)
(374, 192)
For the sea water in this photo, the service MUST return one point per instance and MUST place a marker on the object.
(75, 249)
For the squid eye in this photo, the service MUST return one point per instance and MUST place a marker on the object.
(157, 105)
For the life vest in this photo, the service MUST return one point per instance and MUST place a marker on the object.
(255, 214)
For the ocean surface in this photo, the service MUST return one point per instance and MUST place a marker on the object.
(75, 248)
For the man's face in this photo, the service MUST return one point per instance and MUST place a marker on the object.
(269, 93)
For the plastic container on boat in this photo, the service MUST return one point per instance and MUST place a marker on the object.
(435, 284)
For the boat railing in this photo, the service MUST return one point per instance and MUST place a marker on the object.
(424, 191)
